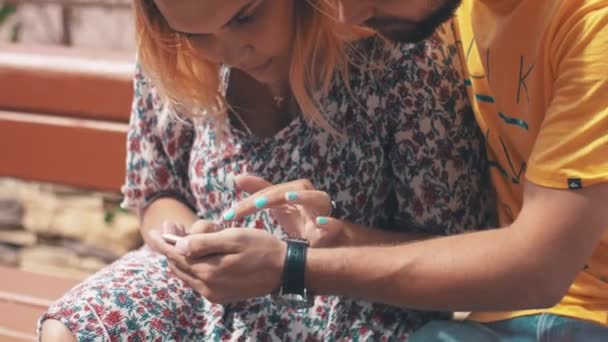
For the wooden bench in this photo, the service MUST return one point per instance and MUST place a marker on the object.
(63, 118)
(64, 115)
(24, 297)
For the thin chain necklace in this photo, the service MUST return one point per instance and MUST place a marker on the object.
(278, 101)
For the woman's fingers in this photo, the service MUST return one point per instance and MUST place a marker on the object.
(251, 184)
(327, 223)
(328, 231)
(317, 202)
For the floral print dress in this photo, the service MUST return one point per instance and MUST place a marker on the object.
(412, 160)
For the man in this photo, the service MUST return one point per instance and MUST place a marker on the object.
(536, 71)
(536, 77)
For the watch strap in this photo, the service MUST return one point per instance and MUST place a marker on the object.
(295, 267)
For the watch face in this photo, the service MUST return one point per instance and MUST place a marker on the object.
(296, 301)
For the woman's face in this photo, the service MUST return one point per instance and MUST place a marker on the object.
(254, 36)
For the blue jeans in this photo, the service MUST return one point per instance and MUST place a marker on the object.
(541, 327)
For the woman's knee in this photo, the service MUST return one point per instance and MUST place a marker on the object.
(53, 330)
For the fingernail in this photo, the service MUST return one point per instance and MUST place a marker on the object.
(322, 221)
(291, 196)
(181, 246)
(261, 202)
(229, 215)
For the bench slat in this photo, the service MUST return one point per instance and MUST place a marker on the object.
(18, 320)
(23, 300)
(78, 152)
(66, 82)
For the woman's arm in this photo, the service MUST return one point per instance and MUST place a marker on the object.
(164, 209)
(158, 153)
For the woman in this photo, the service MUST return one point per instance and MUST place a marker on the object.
(385, 131)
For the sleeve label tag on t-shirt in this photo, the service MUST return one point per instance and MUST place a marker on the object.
(575, 183)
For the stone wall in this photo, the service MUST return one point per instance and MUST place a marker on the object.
(101, 27)
(62, 231)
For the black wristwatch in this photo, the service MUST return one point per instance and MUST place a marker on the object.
(293, 292)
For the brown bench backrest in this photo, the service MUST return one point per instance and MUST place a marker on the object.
(64, 115)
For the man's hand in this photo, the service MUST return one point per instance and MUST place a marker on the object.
(180, 229)
(227, 266)
(528, 265)
(165, 215)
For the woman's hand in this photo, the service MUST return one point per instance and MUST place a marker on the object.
(181, 230)
(166, 227)
(162, 215)
(299, 208)
(229, 265)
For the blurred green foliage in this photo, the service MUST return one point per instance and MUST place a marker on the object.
(7, 9)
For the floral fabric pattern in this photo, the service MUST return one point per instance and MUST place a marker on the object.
(412, 159)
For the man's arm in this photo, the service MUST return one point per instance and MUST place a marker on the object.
(350, 234)
(529, 264)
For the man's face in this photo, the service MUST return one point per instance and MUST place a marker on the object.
(399, 20)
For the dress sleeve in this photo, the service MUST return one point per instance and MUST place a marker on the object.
(158, 151)
(436, 150)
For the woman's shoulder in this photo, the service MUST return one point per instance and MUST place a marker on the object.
(152, 117)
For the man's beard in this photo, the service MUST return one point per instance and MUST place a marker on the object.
(405, 31)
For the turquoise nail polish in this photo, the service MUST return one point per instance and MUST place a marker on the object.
(229, 215)
(261, 202)
(291, 196)
(322, 221)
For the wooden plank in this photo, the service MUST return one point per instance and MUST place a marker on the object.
(28, 286)
(8, 335)
(18, 321)
(66, 81)
(78, 152)
(24, 297)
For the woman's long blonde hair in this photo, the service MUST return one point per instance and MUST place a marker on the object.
(186, 81)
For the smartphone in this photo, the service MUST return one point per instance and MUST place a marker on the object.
(171, 238)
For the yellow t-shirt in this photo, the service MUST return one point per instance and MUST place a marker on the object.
(537, 75)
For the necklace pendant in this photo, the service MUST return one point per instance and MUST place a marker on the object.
(278, 100)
